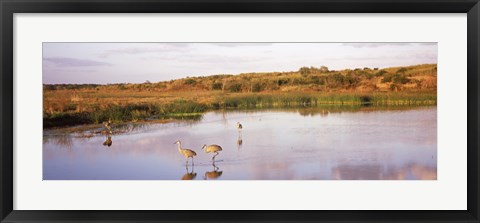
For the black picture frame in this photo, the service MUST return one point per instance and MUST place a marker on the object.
(9, 7)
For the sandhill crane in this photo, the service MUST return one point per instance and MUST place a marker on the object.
(108, 126)
(239, 126)
(212, 149)
(185, 152)
(189, 175)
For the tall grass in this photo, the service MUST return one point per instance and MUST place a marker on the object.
(182, 109)
(132, 112)
(309, 100)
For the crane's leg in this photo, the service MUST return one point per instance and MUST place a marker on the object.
(192, 162)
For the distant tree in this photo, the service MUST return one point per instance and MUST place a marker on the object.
(257, 87)
(49, 87)
(122, 87)
(400, 79)
(387, 78)
(235, 88)
(281, 82)
(323, 69)
(217, 86)
(393, 87)
(304, 71)
(380, 73)
(190, 81)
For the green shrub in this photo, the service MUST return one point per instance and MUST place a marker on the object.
(400, 79)
(257, 87)
(380, 73)
(217, 86)
(235, 88)
(190, 81)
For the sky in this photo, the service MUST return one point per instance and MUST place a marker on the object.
(108, 63)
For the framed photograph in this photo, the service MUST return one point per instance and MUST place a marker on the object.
(200, 111)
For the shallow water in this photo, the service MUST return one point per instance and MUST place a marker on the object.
(294, 144)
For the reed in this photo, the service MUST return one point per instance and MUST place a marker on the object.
(190, 109)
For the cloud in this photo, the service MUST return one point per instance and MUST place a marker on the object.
(374, 45)
(73, 70)
(207, 58)
(428, 44)
(181, 47)
(157, 48)
(399, 57)
(356, 58)
(72, 62)
(241, 44)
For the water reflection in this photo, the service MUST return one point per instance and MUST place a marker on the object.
(284, 144)
(326, 110)
(63, 140)
(214, 174)
(239, 142)
(366, 172)
(189, 175)
(108, 141)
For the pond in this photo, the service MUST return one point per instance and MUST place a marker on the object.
(274, 144)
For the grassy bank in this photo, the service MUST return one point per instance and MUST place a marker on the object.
(317, 99)
(188, 98)
(191, 105)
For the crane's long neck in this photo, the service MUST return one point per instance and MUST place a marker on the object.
(179, 146)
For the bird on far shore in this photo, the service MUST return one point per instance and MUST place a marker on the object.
(239, 126)
(185, 152)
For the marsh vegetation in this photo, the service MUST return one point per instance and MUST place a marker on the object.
(190, 97)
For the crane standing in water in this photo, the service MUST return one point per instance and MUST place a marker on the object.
(239, 128)
(212, 149)
(108, 126)
(185, 152)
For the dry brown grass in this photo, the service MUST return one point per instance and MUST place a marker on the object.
(136, 102)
